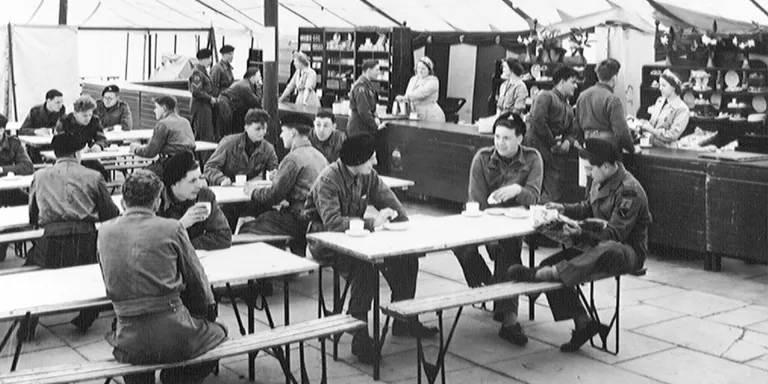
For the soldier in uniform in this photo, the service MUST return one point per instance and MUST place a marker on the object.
(221, 73)
(203, 99)
(325, 137)
(613, 235)
(507, 175)
(362, 106)
(13, 158)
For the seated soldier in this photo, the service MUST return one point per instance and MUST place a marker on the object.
(43, 118)
(508, 175)
(342, 193)
(87, 127)
(112, 111)
(614, 234)
(172, 135)
(292, 181)
(66, 201)
(245, 153)
(162, 298)
(187, 199)
(13, 159)
(325, 138)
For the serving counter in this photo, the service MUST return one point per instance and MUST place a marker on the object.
(707, 206)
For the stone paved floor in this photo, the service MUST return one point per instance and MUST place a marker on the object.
(679, 324)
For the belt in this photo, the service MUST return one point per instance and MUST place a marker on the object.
(68, 228)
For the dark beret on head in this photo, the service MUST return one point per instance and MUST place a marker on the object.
(226, 49)
(66, 144)
(357, 149)
(176, 168)
(204, 53)
(600, 151)
(110, 88)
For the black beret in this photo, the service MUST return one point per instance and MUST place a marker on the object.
(357, 149)
(176, 167)
(599, 151)
(226, 49)
(65, 144)
(204, 53)
(110, 88)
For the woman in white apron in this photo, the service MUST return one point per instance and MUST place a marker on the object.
(302, 84)
(669, 116)
(512, 92)
(422, 92)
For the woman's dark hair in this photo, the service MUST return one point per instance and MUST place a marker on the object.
(515, 66)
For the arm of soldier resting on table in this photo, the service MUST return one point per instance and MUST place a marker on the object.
(99, 138)
(619, 125)
(126, 118)
(478, 185)
(214, 167)
(282, 184)
(578, 211)
(104, 203)
(329, 207)
(272, 162)
(34, 210)
(383, 197)
(216, 231)
(156, 143)
(22, 165)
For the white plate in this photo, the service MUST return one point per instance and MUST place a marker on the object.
(362, 233)
(472, 214)
(400, 226)
(496, 211)
(517, 213)
(759, 104)
(731, 78)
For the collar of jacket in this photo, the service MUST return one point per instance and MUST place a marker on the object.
(139, 211)
(560, 95)
(606, 86)
(346, 175)
(117, 105)
(300, 142)
(612, 183)
(365, 81)
(169, 200)
(225, 65)
(497, 161)
(201, 68)
(68, 160)
(240, 144)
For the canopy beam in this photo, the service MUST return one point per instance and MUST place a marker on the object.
(63, 12)
(666, 12)
(380, 12)
(760, 7)
(521, 13)
(297, 14)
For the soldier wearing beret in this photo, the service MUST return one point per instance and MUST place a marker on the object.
(612, 238)
(342, 193)
(203, 98)
(187, 199)
(66, 201)
(221, 73)
(112, 111)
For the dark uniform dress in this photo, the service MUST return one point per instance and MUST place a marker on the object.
(490, 171)
(201, 104)
(551, 117)
(618, 248)
(161, 295)
(295, 176)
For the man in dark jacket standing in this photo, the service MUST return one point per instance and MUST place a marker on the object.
(235, 101)
(221, 73)
(162, 298)
(203, 98)
(362, 105)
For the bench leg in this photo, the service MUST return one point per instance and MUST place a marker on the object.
(251, 328)
(531, 298)
(593, 313)
(8, 334)
(431, 370)
(286, 322)
(233, 299)
(21, 342)
(376, 325)
(339, 298)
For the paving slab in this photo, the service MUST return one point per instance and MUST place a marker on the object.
(553, 366)
(635, 316)
(683, 366)
(402, 366)
(742, 317)
(694, 333)
(697, 304)
(475, 375)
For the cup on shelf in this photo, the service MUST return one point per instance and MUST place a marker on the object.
(356, 225)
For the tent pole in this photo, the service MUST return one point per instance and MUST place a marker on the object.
(270, 70)
(127, 53)
(144, 55)
(149, 57)
(154, 64)
(63, 12)
(13, 78)
(175, 36)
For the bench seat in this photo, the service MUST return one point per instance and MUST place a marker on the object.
(277, 337)
(245, 238)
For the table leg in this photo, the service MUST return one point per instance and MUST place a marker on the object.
(376, 325)
(287, 321)
(250, 302)
(16, 355)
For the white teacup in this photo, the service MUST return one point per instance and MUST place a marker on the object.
(414, 116)
(473, 207)
(240, 180)
(356, 225)
(10, 174)
(118, 128)
(645, 141)
(206, 205)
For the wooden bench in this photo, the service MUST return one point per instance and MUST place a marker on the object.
(269, 340)
(245, 238)
(21, 238)
(409, 308)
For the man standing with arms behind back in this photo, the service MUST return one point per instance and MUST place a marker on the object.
(203, 99)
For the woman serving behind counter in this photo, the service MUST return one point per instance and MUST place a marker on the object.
(303, 83)
(669, 116)
(512, 92)
(422, 92)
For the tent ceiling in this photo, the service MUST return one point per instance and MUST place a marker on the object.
(420, 15)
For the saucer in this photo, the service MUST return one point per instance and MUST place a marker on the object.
(496, 211)
(472, 214)
(362, 233)
(517, 213)
(401, 226)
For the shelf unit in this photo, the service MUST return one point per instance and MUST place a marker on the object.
(312, 43)
(756, 81)
(343, 53)
(587, 79)
(256, 59)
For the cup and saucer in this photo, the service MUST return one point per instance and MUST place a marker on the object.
(472, 209)
(472, 213)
